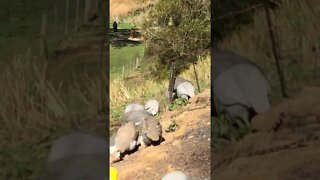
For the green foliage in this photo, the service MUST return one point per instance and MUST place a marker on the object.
(184, 40)
(173, 126)
(178, 103)
(232, 128)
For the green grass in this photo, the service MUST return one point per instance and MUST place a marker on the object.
(22, 21)
(123, 57)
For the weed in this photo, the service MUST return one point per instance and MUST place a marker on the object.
(231, 128)
(173, 126)
(178, 102)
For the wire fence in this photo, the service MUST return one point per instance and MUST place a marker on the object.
(65, 19)
(250, 8)
(265, 5)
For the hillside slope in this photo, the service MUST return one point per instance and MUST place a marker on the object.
(286, 145)
(187, 149)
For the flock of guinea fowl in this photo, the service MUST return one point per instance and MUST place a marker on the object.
(238, 86)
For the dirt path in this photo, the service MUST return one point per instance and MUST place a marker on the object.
(187, 149)
(286, 146)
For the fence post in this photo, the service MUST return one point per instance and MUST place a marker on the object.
(86, 11)
(122, 72)
(196, 76)
(96, 4)
(67, 17)
(137, 63)
(77, 17)
(274, 50)
(172, 81)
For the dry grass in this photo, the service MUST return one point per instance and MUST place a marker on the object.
(120, 8)
(121, 94)
(297, 28)
(34, 112)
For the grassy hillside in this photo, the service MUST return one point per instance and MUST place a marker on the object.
(140, 88)
(22, 22)
(122, 51)
(42, 100)
(138, 85)
(296, 25)
(297, 37)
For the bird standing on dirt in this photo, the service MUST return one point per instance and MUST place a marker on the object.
(126, 138)
(150, 132)
(149, 127)
(113, 151)
(76, 156)
(182, 88)
(76, 143)
(134, 107)
(239, 84)
(134, 116)
(152, 106)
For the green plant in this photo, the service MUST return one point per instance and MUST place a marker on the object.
(232, 128)
(186, 38)
(173, 126)
(178, 103)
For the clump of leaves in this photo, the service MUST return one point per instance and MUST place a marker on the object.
(173, 126)
(177, 30)
(178, 103)
(231, 128)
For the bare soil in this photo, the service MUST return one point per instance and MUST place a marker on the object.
(187, 149)
(286, 145)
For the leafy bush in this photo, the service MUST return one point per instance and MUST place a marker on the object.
(178, 103)
(187, 37)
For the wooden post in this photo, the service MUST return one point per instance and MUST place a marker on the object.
(172, 81)
(137, 63)
(43, 46)
(122, 72)
(77, 17)
(96, 4)
(196, 76)
(86, 11)
(274, 50)
(67, 17)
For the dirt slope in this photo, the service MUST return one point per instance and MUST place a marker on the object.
(286, 145)
(187, 149)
